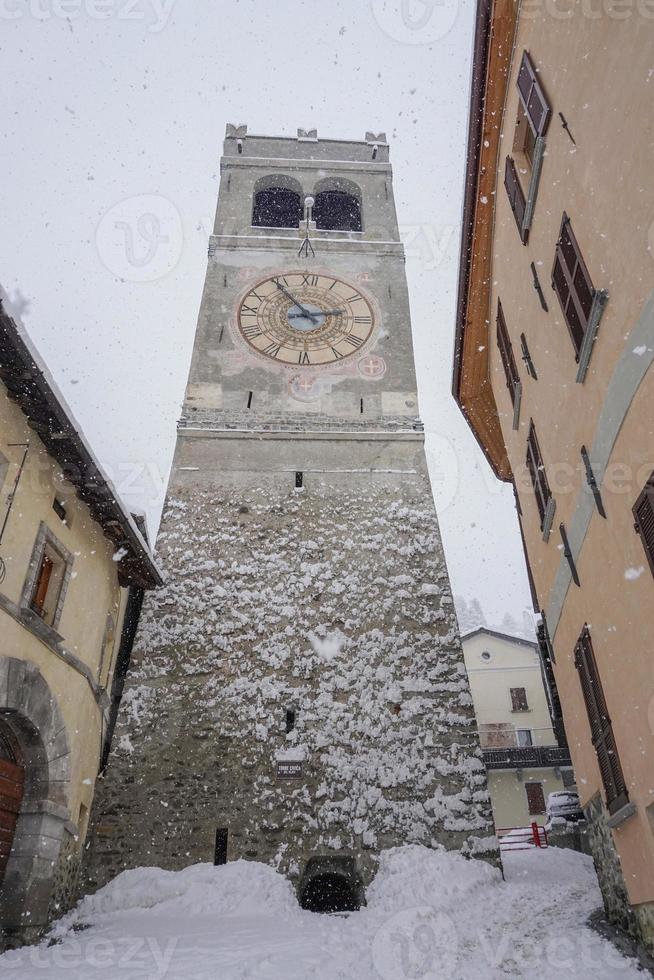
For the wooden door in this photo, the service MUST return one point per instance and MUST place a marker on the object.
(12, 779)
(535, 798)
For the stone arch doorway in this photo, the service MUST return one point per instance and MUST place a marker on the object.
(12, 787)
(33, 733)
(331, 884)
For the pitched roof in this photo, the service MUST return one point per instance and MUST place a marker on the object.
(30, 385)
(500, 636)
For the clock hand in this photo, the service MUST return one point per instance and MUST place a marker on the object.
(305, 312)
(292, 316)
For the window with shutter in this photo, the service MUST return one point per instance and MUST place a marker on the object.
(534, 101)
(643, 512)
(532, 120)
(508, 363)
(519, 699)
(582, 305)
(535, 798)
(601, 730)
(538, 477)
(516, 197)
(48, 577)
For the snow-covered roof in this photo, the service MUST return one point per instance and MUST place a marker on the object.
(499, 636)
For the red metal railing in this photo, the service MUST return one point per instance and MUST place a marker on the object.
(522, 838)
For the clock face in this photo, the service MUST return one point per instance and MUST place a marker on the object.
(305, 319)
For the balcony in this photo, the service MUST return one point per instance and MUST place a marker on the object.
(526, 757)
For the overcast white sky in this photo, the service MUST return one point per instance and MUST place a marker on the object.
(117, 108)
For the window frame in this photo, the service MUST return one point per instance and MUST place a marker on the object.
(533, 117)
(600, 725)
(516, 196)
(536, 467)
(46, 542)
(570, 275)
(513, 382)
(528, 70)
(517, 700)
(583, 333)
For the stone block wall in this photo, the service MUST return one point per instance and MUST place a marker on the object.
(329, 602)
(636, 920)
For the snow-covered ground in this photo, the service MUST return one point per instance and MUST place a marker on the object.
(430, 914)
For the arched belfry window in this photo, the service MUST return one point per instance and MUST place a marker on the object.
(278, 202)
(337, 206)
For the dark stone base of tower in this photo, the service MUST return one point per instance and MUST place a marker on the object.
(325, 610)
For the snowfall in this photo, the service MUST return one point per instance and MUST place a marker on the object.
(429, 915)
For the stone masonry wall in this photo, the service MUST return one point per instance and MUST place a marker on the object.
(328, 601)
(638, 920)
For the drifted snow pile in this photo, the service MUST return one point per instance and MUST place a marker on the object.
(431, 915)
(241, 888)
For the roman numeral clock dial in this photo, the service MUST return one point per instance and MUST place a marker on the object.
(307, 320)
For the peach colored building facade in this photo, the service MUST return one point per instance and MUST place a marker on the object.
(553, 355)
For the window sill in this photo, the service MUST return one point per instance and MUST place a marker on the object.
(621, 815)
(40, 627)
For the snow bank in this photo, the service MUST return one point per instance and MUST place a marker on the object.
(416, 875)
(431, 914)
(240, 888)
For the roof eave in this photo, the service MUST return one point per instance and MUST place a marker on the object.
(471, 384)
(29, 384)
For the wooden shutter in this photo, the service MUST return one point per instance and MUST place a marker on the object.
(601, 729)
(506, 353)
(572, 284)
(535, 798)
(533, 98)
(537, 473)
(515, 195)
(42, 582)
(519, 699)
(643, 512)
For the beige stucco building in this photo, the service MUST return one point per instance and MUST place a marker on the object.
(525, 757)
(554, 346)
(73, 567)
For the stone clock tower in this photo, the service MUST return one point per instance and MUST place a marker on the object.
(297, 694)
